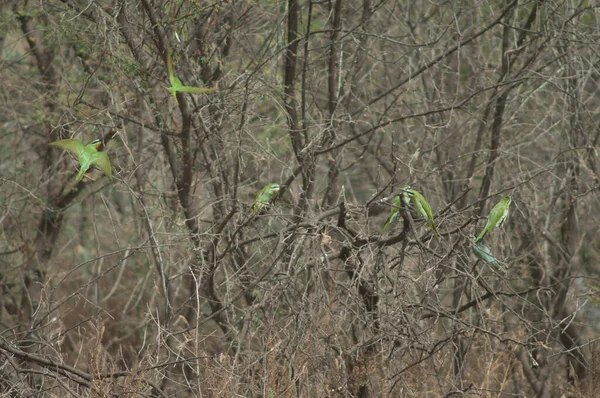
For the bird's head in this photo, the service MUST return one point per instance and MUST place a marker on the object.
(507, 200)
(274, 188)
(408, 191)
(97, 143)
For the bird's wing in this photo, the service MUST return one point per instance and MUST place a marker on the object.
(101, 160)
(259, 195)
(496, 215)
(170, 70)
(427, 209)
(396, 203)
(419, 206)
(72, 145)
(503, 217)
(258, 199)
(264, 196)
(429, 214)
(391, 217)
(189, 89)
(257, 205)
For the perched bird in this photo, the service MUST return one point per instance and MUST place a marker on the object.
(421, 206)
(87, 155)
(176, 84)
(393, 213)
(263, 197)
(484, 253)
(496, 217)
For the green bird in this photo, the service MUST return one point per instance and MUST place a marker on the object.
(176, 84)
(421, 206)
(393, 213)
(484, 253)
(496, 217)
(87, 155)
(263, 197)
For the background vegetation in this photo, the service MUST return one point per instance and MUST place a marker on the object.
(161, 283)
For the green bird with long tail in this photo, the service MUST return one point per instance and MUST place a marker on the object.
(421, 206)
(393, 213)
(88, 155)
(263, 197)
(497, 216)
(176, 84)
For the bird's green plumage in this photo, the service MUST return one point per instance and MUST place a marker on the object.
(393, 213)
(87, 155)
(421, 206)
(497, 216)
(176, 84)
(263, 197)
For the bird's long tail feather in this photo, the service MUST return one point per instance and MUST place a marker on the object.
(479, 237)
(435, 233)
(80, 174)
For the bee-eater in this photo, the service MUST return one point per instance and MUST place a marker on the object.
(263, 197)
(484, 253)
(421, 206)
(87, 155)
(496, 217)
(176, 84)
(393, 213)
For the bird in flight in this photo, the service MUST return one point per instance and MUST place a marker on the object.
(176, 84)
(87, 155)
